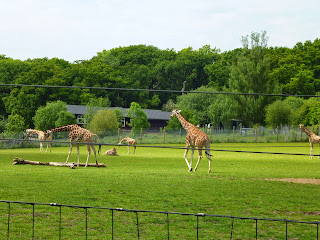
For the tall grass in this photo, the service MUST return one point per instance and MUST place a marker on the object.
(157, 179)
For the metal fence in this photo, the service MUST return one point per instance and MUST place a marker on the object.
(232, 222)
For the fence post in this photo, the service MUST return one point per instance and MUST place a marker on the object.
(141, 136)
(256, 133)
(234, 128)
(118, 135)
(277, 133)
(164, 135)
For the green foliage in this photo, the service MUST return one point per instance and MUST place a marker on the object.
(3, 123)
(53, 115)
(168, 106)
(16, 124)
(254, 68)
(308, 114)
(250, 74)
(278, 113)
(197, 104)
(138, 118)
(120, 115)
(103, 121)
(93, 106)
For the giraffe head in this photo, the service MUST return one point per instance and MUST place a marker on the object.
(47, 133)
(175, 112)
(300, 125)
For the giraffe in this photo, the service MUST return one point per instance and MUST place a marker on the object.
(194, 139)
(112, 151)
(130, 141)
(313, 138)
(77, 134)
(41, 137)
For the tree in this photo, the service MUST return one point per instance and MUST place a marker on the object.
(301, 84)
(278, 113)
(197, 104)
(308, 114)
(53, 115)
(15, 124)
(119, 114)
(103, 120)
(23, 102)
(93, 106)
(250, 74)
(138, 118)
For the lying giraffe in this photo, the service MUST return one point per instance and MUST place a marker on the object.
(195, 139)
(130, 141)
(112, 151)
(77, 134)
(313, 138)
(41, 137)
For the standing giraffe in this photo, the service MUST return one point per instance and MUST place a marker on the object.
(130, 141)
(77, 134)
(313, 138)
(195, 139)
(41, 137)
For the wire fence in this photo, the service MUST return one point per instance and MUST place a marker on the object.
(163, 230)
(17, 143)
(177, 136)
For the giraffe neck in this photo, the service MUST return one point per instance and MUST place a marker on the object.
(35, 131)
(306, 131)
(185, 124)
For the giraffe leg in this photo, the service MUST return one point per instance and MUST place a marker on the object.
(41, 147)
(134, 149)
(192, 153)
(311, 150)
(48, 147)
(78, 153)
(95, 155)
(185, 157)
(70, 150)
(89, 153)
(200, 157)
(128, 149)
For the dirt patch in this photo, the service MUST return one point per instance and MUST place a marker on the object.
(296, 180)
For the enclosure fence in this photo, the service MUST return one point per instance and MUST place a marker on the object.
(197, 218)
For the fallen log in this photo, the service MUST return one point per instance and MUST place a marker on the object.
(17, 160)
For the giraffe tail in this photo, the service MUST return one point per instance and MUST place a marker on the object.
(207, 151)
(99, 150)
(208, 154)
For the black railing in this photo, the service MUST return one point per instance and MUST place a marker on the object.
(138, 234)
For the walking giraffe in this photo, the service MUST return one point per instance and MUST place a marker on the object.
(194, 139)
(41, 137)
(130, 141)
(313, 138)
(77, 134)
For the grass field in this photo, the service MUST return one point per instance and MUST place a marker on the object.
(240, 184)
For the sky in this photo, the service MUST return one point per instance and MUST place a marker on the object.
(79, 29)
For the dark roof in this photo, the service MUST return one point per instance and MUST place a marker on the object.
(152, 114)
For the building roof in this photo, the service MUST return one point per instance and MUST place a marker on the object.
(152, 114)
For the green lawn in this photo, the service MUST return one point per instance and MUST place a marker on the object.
(158, 179)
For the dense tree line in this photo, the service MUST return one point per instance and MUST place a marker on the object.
(254, 68)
